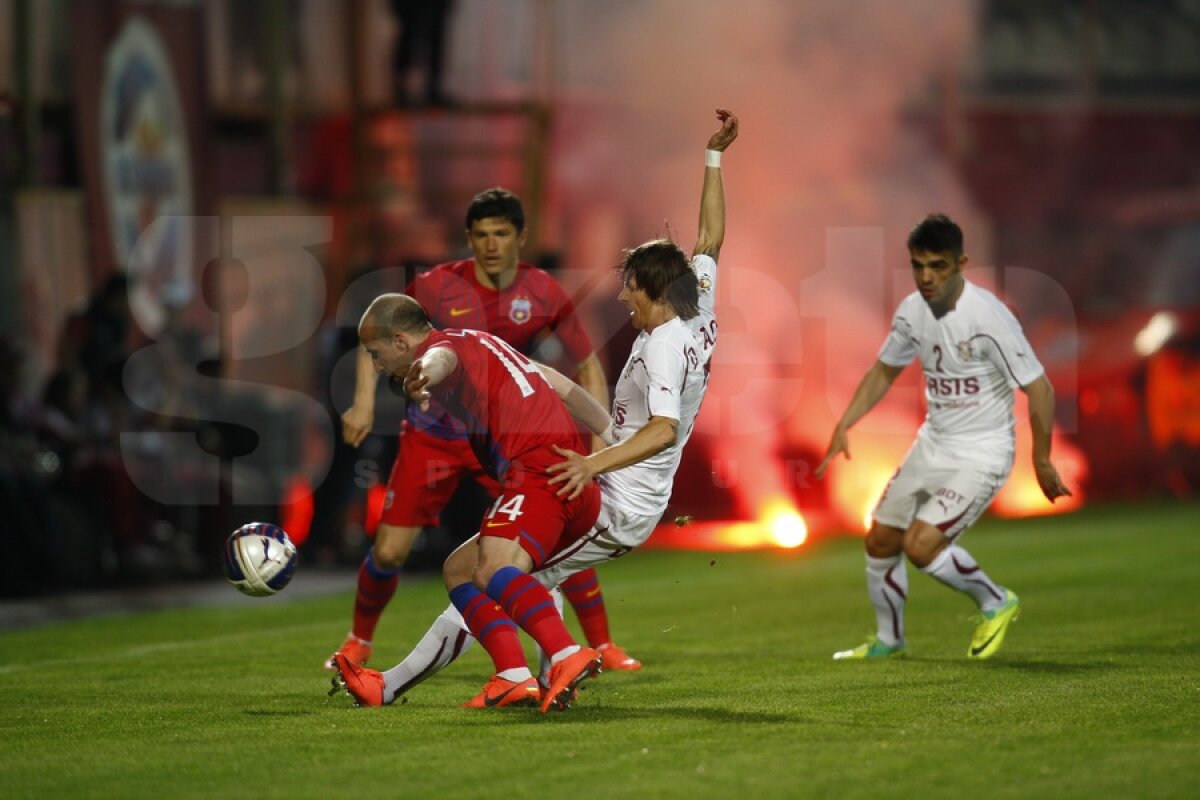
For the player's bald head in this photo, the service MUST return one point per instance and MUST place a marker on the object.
(389, 314)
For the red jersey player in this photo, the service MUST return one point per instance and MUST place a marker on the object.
(517, 426)
(496, 292)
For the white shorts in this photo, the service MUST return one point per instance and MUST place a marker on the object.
(941, 488)
(615, 533)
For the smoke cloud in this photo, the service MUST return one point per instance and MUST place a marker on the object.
(822, 187)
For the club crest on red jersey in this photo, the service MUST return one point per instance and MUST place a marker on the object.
(521, 310)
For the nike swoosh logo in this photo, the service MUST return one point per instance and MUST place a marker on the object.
(496, 524)
(977, 650)
(458, 312)
(492, 700)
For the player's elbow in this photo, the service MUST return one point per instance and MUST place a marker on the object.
(1040, 389)
(559, 382)
(666, 433)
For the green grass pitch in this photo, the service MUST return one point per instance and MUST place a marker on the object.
(1096, 692)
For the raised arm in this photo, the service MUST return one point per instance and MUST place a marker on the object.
(871, 389)
(1040, 394)
(712, 197)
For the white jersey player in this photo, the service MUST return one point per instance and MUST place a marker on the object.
(972, 358)
(657, 398)
(659, 390)
(973, 355)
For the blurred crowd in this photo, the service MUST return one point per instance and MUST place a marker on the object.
(112, 429)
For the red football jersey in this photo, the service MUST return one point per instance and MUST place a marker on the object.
(533, 306)
(511, 412)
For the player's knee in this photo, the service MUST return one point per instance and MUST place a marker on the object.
(488, 566)
(458, 569)
(482, 575)
(392, 545)
(883, 541)
(922, 543)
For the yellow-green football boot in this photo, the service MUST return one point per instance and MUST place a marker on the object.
(989, 634)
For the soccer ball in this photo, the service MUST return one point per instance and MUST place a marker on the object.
(259, 559)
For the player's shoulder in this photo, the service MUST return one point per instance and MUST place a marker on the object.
(911, 308)
(705, 267)
(986, 307)
(441, 338)
(674, 336)
(440, 274)
(536, 278)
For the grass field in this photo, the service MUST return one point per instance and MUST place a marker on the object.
(1095, 694)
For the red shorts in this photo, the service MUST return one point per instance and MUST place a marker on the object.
(542, 522)
(425, 475)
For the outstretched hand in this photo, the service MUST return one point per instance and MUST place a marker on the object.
(1051, 484)
(573, 473)
(729, 130)
(356, 424)
(838, 443)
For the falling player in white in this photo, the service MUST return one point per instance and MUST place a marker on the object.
(973, 354)
(657, 398)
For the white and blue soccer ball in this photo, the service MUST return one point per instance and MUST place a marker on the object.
(259, 559)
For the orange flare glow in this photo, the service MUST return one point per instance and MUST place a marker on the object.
(296, 510)
(779, 525)
(856, 485)
(784, 524)
(375, 498)
(1022, 497)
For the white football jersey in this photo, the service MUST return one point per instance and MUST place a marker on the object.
(973, 358)
(666, 375)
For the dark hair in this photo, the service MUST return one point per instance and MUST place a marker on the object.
(662, 270)
(393, 313)
(937, 233)
(497, 202)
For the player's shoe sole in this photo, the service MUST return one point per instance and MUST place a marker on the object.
(613, 656)
(993, 626)
(500, 692)
(568, 674)
(872, 649)
(355, 649)
(361, 683)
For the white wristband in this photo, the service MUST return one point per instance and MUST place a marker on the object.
(712, 158)
(609, 436)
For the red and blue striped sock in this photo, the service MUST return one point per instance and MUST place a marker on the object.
(582, 591)
(490, 627)
(375, 589)
(529, 605)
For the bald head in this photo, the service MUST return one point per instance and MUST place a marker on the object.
(390, 314)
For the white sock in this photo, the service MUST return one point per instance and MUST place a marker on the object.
(566, 652)
(446, 640)
(955, 568)
(516, 674)
(887, 586)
